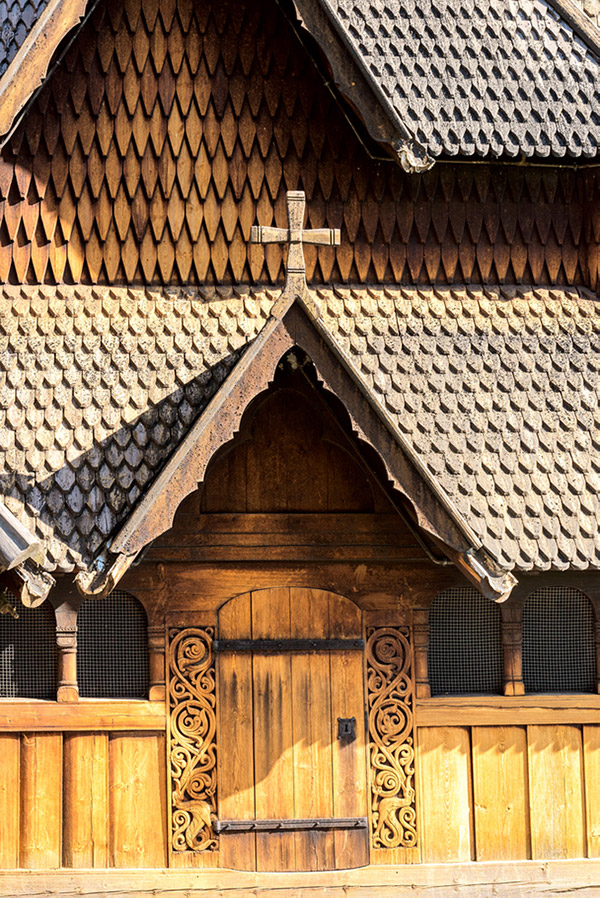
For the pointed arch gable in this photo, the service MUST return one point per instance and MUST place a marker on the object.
(294, 323)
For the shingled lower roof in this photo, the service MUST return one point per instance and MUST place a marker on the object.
(496, 389)
(479, 77)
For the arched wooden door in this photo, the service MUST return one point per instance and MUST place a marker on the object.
(292, 788)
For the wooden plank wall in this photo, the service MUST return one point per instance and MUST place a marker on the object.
(509, 793)
(82, 800)
(486, 793)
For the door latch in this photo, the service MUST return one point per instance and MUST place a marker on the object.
(347, 729)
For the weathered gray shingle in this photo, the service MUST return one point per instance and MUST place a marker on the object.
(480, 77)
(16, 20)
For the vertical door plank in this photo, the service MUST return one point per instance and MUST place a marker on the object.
(41, 800)
(10, 759)
(446, 794)
(555, 756)
(85, 801)
(591, 758)
(349, 759)
(273, 745)
(500, 796)
(311, 729)
(137, 800)
(236, 754)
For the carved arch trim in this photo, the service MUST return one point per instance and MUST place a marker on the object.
(253, 374)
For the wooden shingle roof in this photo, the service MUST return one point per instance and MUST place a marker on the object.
(497, 391)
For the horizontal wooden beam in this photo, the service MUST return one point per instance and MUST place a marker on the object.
(91, 715)
(502, 710)
(504, 880)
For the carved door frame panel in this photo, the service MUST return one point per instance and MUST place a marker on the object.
(192, 740)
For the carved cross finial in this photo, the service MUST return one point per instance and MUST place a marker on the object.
(295, 236)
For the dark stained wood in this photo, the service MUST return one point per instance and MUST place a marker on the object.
(137, 167)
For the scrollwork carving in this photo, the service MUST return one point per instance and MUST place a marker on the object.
(192, 739)
(391, 738)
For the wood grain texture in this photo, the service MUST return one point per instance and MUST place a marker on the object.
(235, 733)
(312, 729)
(41, 800)
(555, 756)
(349, 759)
(591, 761)
(273, 735)
(85, 800)
(10, 762)
(500, 793)
(506, 880)
(92, 715)
(500, 710)
(446, 794)
(137, 800)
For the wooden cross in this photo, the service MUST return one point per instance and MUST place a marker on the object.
(295, 236)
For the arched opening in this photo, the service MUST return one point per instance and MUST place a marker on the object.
(112, 653)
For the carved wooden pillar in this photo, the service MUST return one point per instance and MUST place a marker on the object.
(66, 606)
(421, 644)
(156, 651)
(512, 639)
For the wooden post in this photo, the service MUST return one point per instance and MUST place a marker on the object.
(421, 643)
(66, 603)
(593, 594)
(156, 651)
(512, 640)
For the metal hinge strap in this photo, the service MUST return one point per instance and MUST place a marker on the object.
(287, 645)
(246, 826)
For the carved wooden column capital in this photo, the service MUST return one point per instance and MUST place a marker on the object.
(66, 604)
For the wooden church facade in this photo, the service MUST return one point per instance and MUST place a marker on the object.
(325, 612)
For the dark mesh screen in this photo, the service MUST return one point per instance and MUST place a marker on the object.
(112, 652)
(558, 641)
(465, 644)
(28, 652)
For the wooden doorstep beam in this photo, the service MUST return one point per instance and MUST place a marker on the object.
(86, 715)
(503, 880)
(501, 710)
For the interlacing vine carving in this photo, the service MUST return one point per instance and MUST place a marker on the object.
(192, 739)
(391, 738)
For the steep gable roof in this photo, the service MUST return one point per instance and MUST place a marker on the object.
(480, 77)
(442, 77)
(497, 391)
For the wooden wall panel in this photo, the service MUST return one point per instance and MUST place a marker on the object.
(41, 800)
(85, 802)
(446, 799)
(500, 793)
(10, 754)
(555, 758)
(591, 760)
(137, 800)
(158, 142)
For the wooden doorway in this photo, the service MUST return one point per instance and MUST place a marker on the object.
(280, 755)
